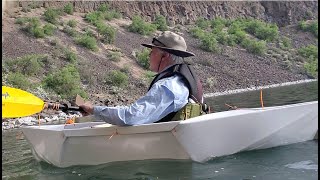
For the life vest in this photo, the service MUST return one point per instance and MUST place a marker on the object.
(195, 92)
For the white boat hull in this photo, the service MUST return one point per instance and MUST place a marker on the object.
(200, 138)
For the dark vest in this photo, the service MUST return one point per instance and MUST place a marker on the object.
(190, 80)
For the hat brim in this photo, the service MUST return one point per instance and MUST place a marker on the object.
(171, 51)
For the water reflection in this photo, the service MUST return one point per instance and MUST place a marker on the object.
(291, 94)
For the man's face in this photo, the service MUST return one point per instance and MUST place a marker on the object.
(155, 59)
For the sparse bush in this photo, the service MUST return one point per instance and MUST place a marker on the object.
(18, 80)
(70, 31)
(88, 42)
(65, 82)
(161, 23)
(68, 8)
(143, 58)
(125, 69)
(211, 82)
(70, 56)
(51, 15)
(26, 9)
(117, 78)
(138, 25)
(89, 32)
(72, 23)
(49, 29)
(286, 42)
(21, 20)
(116, 14)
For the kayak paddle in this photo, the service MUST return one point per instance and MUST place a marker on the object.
(19, 103)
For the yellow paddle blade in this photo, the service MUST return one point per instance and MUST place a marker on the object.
(19, 103)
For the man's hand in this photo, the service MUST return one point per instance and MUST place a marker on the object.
(87, 107)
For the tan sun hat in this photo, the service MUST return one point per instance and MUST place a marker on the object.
(171, 43)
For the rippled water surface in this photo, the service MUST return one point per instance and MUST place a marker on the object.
(295, 162)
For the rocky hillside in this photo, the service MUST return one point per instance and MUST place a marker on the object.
(232, 68)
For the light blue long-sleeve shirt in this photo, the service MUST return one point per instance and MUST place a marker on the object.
(165, 96)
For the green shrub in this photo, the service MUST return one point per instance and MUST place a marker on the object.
(68, 8)
(313, 28)
(232, 40)
(94, 17)
(268, 33)
(143, 58)
(65, 82)
(27, 65)
(161, 23)
(210, 44)
(308, 51)
(114, 56)
(38, 32)
(253, 46)
(302, 25)
(218, 23)
(262, 30)
(18, 80)
(51, 15)
(202, 23)
(117, 78)
(108, 32)
(138, 25)
(72, 23)
(88, 42)
(222, 37)
(240, 36)
(49, 29)
(198, 32)
(311, 66)
(149, 76)
(103, 8)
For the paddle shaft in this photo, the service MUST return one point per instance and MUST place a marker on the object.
(63, 107)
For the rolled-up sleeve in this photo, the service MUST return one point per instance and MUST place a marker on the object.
(166, 96)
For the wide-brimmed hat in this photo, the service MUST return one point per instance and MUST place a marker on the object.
(171, 43)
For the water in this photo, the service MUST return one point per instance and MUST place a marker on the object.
(295, 162)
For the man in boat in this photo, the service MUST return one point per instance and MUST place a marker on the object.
(174, 94)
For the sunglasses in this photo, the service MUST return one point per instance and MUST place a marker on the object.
(157, 42)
